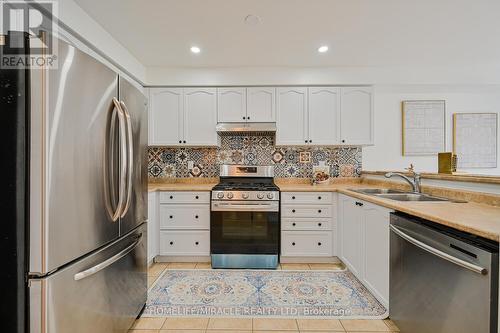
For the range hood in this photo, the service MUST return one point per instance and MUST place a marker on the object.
(246, 128)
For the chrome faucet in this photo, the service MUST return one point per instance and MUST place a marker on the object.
(415, 182)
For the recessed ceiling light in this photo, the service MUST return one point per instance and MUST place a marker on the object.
(323, 49)
(252, 19)
(195, 49)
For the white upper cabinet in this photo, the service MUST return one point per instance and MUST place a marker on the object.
(356, 116)
(324, 115)
(165, 116)
(261, 105)
(291, 116)
(232, 105)
(200, 116)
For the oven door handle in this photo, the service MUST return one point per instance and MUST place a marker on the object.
(248, 207)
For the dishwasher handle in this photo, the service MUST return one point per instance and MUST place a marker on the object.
(436, 252)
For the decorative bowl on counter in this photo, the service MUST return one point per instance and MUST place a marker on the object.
(321, 177)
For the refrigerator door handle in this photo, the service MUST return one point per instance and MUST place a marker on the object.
(109, 167)
(130, 157)
(99, 267)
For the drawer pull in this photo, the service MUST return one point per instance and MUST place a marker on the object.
(294, 224)
(319, 198)
(196, 243)
(196, 216)
(293, 243)
(360, 204)
(171, 197)
(171, 243)
(293, 198)
(171, 216)
(319, 211)
(319, 224)
(196, 197)
(319, 243)
(293, 210)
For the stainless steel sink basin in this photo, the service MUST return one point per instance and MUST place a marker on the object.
(410, 197)
(376, 191)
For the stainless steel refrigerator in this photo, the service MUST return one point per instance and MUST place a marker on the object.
(76, 141)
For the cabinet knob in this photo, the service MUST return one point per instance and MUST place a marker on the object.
(293, 224)
(184, 141)
(305, 141)
(171, 216)
(196, 216)
(293, 244)
(196, 243)
(248, 118)
(319, 211)
(343, 141)
(197, 197)
(319, 224)
(171, 243)
(244, 118)
(319, 198)
(293, 198)
(293, 210)
(171, 197)
(319, 243)
(310, 141)
(180, 141)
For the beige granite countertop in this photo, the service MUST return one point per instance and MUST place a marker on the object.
(476, 218)
(182, 184)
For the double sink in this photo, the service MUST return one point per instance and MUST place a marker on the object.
(396, 195)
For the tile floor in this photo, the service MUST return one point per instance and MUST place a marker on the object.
(248, 325)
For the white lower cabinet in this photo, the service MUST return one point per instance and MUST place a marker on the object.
(307, 224)
(363, 239)
(184, 223)
(153, 228)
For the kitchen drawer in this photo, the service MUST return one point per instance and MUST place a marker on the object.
(189, 243)
(184, 216)
(185, 197)
(301, 224)
(312, 211)
(306, 243)
(306, 198)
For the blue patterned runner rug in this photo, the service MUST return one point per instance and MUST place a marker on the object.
(251, 293)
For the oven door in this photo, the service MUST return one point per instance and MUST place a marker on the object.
(248, 227)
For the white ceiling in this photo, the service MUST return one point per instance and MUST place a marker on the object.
(358, 32)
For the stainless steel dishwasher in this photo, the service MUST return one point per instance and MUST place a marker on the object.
(441, 280)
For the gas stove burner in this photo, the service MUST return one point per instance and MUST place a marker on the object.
(246, 183)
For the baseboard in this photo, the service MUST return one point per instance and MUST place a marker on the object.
(182, 259)
(308, 260)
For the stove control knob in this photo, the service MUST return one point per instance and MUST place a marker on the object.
(244, 195)
(260, 195)
(220, 195)
(230, 195)
(270, 196)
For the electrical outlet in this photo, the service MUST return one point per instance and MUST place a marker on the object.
(190, 165)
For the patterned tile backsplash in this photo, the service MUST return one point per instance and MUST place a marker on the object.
(166, 162)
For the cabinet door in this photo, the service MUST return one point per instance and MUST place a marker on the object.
(231, 106)
(376, 251)
(324, 115)
(350, 235)
(291, 116)
(261, 105)
(165, 116)
(200, 116)
(356, 118)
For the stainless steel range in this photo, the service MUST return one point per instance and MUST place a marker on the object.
(245, 218)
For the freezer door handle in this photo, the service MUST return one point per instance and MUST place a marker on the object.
(130, 157)
(438, 253)
(109, 167)
(99, 267)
